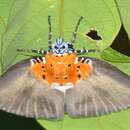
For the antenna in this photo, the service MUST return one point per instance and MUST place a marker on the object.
(74, 34)
(49, 33)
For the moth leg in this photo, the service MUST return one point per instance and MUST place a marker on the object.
(84, 60)
(42, 52)
(38, 67)
(37, 60)
(84, 51)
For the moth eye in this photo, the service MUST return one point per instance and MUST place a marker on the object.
(63, 47)
(55, 47)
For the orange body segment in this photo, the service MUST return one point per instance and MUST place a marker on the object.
(61, 69)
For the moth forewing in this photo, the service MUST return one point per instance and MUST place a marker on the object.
(105, 91)
(21, 93)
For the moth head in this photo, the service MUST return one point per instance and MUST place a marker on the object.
(59, 46)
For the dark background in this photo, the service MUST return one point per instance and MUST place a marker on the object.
(122, 43)
(13, 122)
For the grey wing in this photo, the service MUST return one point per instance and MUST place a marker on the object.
(22, 94)
(105, 91)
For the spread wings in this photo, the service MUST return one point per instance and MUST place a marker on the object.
(22, 94)
(105, 91)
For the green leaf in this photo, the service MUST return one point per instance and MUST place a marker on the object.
(4, 13)
(27, 25)
(114, 56)
(124, 11)
(117, 59)
(114, 121)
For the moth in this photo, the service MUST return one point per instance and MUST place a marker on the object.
(61, 81)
